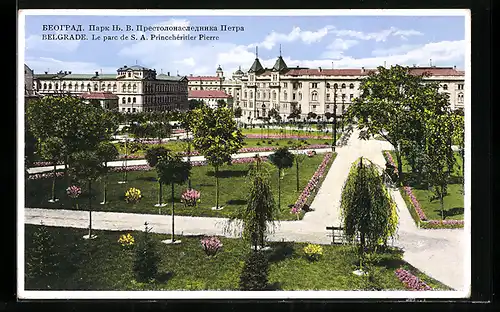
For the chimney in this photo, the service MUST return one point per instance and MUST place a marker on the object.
(168, 73)
(65, 72)
(454, 67)
(69, 72)
(362, 69)
(190, 75)
(124, 66)
(96, 73)
(319, 69)
(46, 73)
(414, 65)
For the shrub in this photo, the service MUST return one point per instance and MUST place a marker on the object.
(289, 142)
(153, 154)
(313, 252)
(255, 272)
(190, 197)
(147, 258)
(277, 143)
(73, 191)
(326, 143)
(42, 259)
(258, 143)
(211, 245)
(269, 142)
(133, 195)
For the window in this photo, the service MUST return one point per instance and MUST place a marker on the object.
(114, 87)
(133, 110)
(285, 96)
(76, 87)
(257, 94)
(293, 96)
(129, 75)
(251, 94)
(300, 84)
(245, 94)
(133, 99)
(445, 87)
(343, 86)
(129, 100)
(335, 86)
(109, 87)
(57, 86)
(327, 106)
(285, 85)
(96, 87)
(314, 107)
(123, 100)
(64, 86)
(314, 85)
(82, 86)
(351, 86)
(314, 96)
(343, 96)
(45, 85)
(70, 86)
(103, 87)
(461, 97)
(50, 86)
(460, 87)
(134, 88)
(274, 95)
(351, 96)
(124, 88)
(328, 96)
(300, 96)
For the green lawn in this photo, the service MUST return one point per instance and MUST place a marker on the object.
(102, 264)
(233, 191)
(264, 131)
(453, 202)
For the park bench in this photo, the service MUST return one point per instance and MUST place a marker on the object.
(337, 235)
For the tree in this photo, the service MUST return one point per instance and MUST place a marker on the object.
(237, 112)
(458, 125)
(217, 138)
(152, 156)
(282, 159)
(172, 169)
(87, 166)
(52, 149)
(106, 151)
(43, 256)
(130, 148)
(195, 104)
(440, 158)
(299, 158)
(389, 102)
(367, 208)
(146, 258)
(186, 121)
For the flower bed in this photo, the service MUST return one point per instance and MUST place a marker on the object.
(44, 175)
(410, 281)
(422, 221)
(311, 186)
(282, 136)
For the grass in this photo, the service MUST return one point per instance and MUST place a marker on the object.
(453, 202)
(233, 191)
(264, 131)
(102, 264)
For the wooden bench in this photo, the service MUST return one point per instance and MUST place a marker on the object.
(338, 235)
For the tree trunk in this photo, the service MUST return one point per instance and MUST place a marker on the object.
(54, 184)
(159, 197)
(90, 209)
(441, 202)
(279, 188)
(400, 164)
(188, 156)
(173, 213)
(105, 183)
(361, 249)
(66, 175)
(297, 175)
(216, 187)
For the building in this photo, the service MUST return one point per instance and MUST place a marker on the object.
(231, 86)
(211, 97)
(106, 99)
(29, 91)
(316, 90)
(138, 88)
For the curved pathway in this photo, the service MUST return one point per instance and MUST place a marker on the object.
(438, 253)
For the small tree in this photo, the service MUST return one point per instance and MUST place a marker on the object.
(106, 152)
(217, 137)
(367, 208)
(87, 166)
(51, 149)
(255, 272)
(42, 256)
(130, 148)
(152, 156)
(238, 113)
(299, 158)
(186, 121)
(172, 169)
(282, 159)
(147, 257)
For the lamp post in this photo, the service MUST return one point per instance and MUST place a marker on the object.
(343, 108)
(334, 125)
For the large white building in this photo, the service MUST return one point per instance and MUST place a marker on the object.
(138, 88)
(316, 90)
(231, 86)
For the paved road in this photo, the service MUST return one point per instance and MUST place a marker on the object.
(438, 253)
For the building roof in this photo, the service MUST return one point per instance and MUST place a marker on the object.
(207, 94)
(170, 78)
(437, 71)
(219, 68)
(133, 67)
(239, 71)
(102, 95)
(279, 65)
(44, 76)
(256, 67)
(203, 78)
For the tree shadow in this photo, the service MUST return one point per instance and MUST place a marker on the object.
(163, 277)
(455, 211)
(229, 173)
(274, 286)
(149, 179)
(237, 202)
(281, 251)
(454, 179)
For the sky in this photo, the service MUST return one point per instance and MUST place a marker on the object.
(306, 41)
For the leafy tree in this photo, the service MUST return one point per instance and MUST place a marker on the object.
(255, 272)
(458, 125)
(52, 149)
(146, 258)
(237, 112)
(186, 121)
(172, 169)
(217, 137)
(282, 159)
(389, 103)
(367, 208)
(87, 166)
(152, 156)
(440, 158)
(42, 256)
(106, 151)
(221, 103)
(130, 148)
(195, 104)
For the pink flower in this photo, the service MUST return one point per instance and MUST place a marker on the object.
(73, 191)
(211, 245)
(411, 281)
(190, 197)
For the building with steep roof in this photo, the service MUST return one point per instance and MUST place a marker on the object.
(137, 88)
(317, 90)
(211, 97)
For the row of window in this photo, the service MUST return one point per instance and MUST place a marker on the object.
(314, 96)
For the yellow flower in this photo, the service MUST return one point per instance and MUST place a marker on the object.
(313, 252)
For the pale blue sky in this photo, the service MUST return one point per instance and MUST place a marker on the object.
(312, 41)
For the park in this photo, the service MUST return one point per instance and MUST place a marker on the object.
(199, 200)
